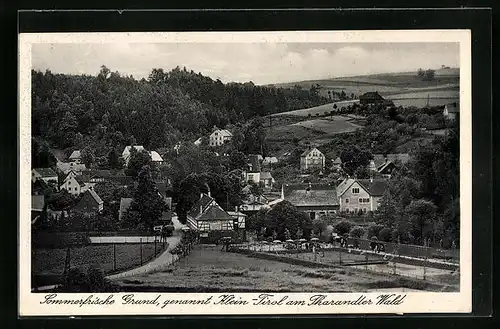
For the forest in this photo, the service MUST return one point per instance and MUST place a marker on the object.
(111, 110)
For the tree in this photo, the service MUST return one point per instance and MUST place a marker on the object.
(137, 161)
(429, 75)
(319, 226)
(385, 234)
(286, 216)
(147, 202)
(420, 72)
(114, 161)
(421, 216)
(357, 232)
(237, 160)
(343, 227)
(353, 158)
(87, 156)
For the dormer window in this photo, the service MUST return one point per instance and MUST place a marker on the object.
(355, 190)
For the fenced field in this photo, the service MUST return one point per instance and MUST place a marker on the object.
(48, 264)
(210, 269)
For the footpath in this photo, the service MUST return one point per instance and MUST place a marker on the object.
(157, 264)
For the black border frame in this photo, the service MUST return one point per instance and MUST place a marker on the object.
(478, 20)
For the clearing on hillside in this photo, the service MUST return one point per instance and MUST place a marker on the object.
(335, 125)
(318, 110)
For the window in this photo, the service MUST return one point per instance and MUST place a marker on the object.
(227, 226)
(364, 210)
(204, 226)
(355, 190)
(347, 200)
(364, 200)
(69, 183)
(312, 215)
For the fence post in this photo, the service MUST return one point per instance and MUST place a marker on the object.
(155, 245)
(140, 242)
(114, 256)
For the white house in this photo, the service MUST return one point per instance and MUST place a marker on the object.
(74, 185)
(312, 159)
(219, 137)
(360, 194)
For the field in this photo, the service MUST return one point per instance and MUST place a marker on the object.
(208, 269)
(320, 110)
(48, 264)
(385, 84)
(335, 125)
(420, 99)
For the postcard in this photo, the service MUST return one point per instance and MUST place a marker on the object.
(245, 173)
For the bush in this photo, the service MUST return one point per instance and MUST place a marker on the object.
(92, 281)
(357, 232)
(385, 234)
(374, 230)
(344, 227)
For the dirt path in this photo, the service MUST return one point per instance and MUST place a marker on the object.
(157, 264)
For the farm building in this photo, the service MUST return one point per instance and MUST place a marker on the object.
(364, 195)
(312, 159)
(314, 199)
(371, 97)
(37, 207)
(451, 111)
(75, 185)
(212, 222)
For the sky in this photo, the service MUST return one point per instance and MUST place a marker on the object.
(261, 63)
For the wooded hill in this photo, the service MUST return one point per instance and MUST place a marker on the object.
(111, 110)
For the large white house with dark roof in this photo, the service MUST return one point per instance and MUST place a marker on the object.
(364, 195)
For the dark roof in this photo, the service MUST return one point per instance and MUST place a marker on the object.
(45, 172)
(214, 212)
(306, 152)
(380, 159)
(371, 95)
(204, 201)
(337, 161)
(375, 187)
(265, 175)
(79, 180)
(311, 195)
(95, 196)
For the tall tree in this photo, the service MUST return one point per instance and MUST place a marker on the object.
(147, 202)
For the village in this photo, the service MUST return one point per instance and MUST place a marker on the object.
(291, 180)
